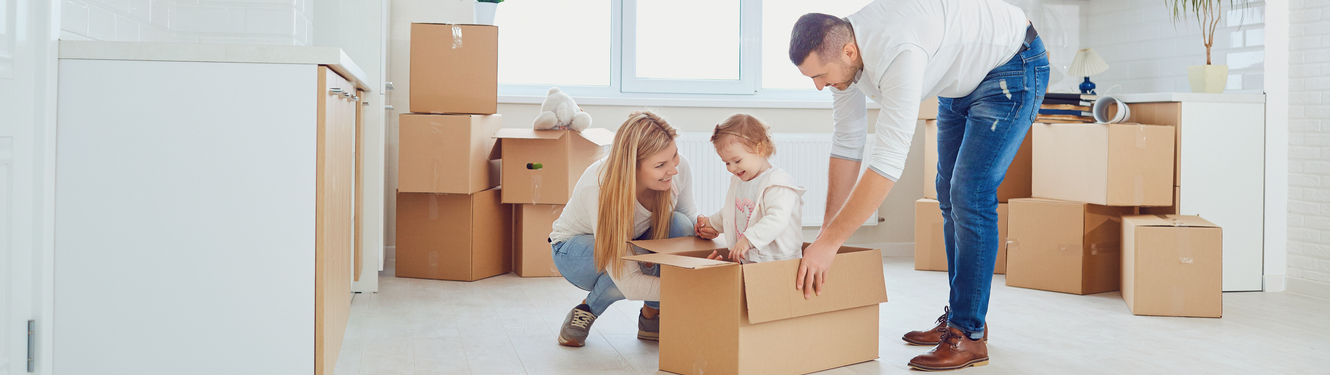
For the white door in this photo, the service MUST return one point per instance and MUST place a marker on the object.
(27, 118)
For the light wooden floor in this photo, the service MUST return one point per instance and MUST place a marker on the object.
(507, 325)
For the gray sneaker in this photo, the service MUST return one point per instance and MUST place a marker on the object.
(576, 326)
(648, 329)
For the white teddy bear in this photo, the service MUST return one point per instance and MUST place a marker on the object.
(560, 112)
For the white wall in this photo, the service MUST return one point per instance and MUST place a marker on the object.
(1146, 53)
(275, 22)
(1309, 148)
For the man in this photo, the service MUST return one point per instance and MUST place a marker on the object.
(984, 61)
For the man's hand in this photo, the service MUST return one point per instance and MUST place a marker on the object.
(813, 267)
(703, 228)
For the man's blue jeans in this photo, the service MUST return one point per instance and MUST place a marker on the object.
(977, 137)
(576, 260)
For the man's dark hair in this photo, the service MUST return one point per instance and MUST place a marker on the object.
(823, 33)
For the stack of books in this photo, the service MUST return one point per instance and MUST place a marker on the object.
(1065, 108)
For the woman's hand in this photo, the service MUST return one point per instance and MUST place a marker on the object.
(703, 228)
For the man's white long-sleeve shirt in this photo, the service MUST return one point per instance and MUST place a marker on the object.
(914, 49)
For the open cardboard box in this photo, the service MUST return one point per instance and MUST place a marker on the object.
(727, 318)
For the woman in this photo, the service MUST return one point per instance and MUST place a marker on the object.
(641, 190)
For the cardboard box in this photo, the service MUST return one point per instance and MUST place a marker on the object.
(542, 166)
(928, 109)
(454, 69)
(1167, 210)
(446, 153)
(1172, 266)
(532, 224)
(1062, 246)
(1104, 164)
(726, 318)
(1015, 185)
(453, 236)
(930, 252)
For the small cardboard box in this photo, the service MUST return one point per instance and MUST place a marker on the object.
(542, 166)
(1172, 266)
(1015, 185)
(726, 318)
(446, 153)
(1062, 246)
(453, 236)
(930, 252)
(532, 224)
(454, 69)
(1104, 164)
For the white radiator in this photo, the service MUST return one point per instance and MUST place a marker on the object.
(803, 155)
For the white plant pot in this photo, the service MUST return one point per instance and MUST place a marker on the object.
(485, 13)
(1208, 78)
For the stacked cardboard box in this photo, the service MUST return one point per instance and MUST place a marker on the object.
(451, 224)
(741, 319)
(929, 248)
(1172, 266)
(1086, 177)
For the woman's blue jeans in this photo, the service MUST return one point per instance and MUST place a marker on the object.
(977, 138)
(576, 260)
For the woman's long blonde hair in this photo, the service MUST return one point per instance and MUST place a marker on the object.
(643, 135)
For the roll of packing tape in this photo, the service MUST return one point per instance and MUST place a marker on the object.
(1100, 110)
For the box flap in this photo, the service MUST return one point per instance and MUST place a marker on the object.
(680, 261)
(678, 245)
(854, 280)
(519, 133)
(1168, 221)
(599, 136)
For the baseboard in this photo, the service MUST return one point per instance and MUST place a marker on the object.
(1309, 288)
(1274, 283)
(890, 249)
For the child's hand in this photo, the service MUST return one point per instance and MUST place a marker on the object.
(740, 248)
(703, 228)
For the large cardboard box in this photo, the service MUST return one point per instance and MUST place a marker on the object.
(726, 318)
(1062, 246)
(1015, 185)
(928, 109)
(454, 68)
(1172, 266)
(446, 153)
(930, 252)
(453, 236)
(532, 224)
(1104, 164)
(542, 166)
(1166, 210)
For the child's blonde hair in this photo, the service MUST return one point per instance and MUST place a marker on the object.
(748, 131)
(643, 135)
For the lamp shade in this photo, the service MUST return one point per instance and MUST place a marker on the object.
(1086, 63)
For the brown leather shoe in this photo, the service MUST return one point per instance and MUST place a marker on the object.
(953, 352)
(931, 336)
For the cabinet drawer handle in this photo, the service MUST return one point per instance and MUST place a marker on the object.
(336, 90)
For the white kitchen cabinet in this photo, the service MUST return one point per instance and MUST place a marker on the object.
(1220, 170)
(205, 208)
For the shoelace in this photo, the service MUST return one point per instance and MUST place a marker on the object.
(582, 319)
(942, 320)
(950, 338)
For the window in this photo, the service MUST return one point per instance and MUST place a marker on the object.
(686, 49)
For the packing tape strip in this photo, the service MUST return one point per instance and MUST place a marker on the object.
(1100, 110)
(1013, 245)
(1065, 249)
(1138, 189)
(535, 189)
(457, 37)
(433, 207)
(1179, 301)
(1140, 136)
(1183, 243)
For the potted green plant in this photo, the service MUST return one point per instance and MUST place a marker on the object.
(485, 11)
(1204, 78)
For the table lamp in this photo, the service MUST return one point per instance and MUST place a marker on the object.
(1086, 64)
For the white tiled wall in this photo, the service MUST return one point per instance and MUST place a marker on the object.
(1309, 141)
(1146, 53)
(280, 22)
(1061, 25)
